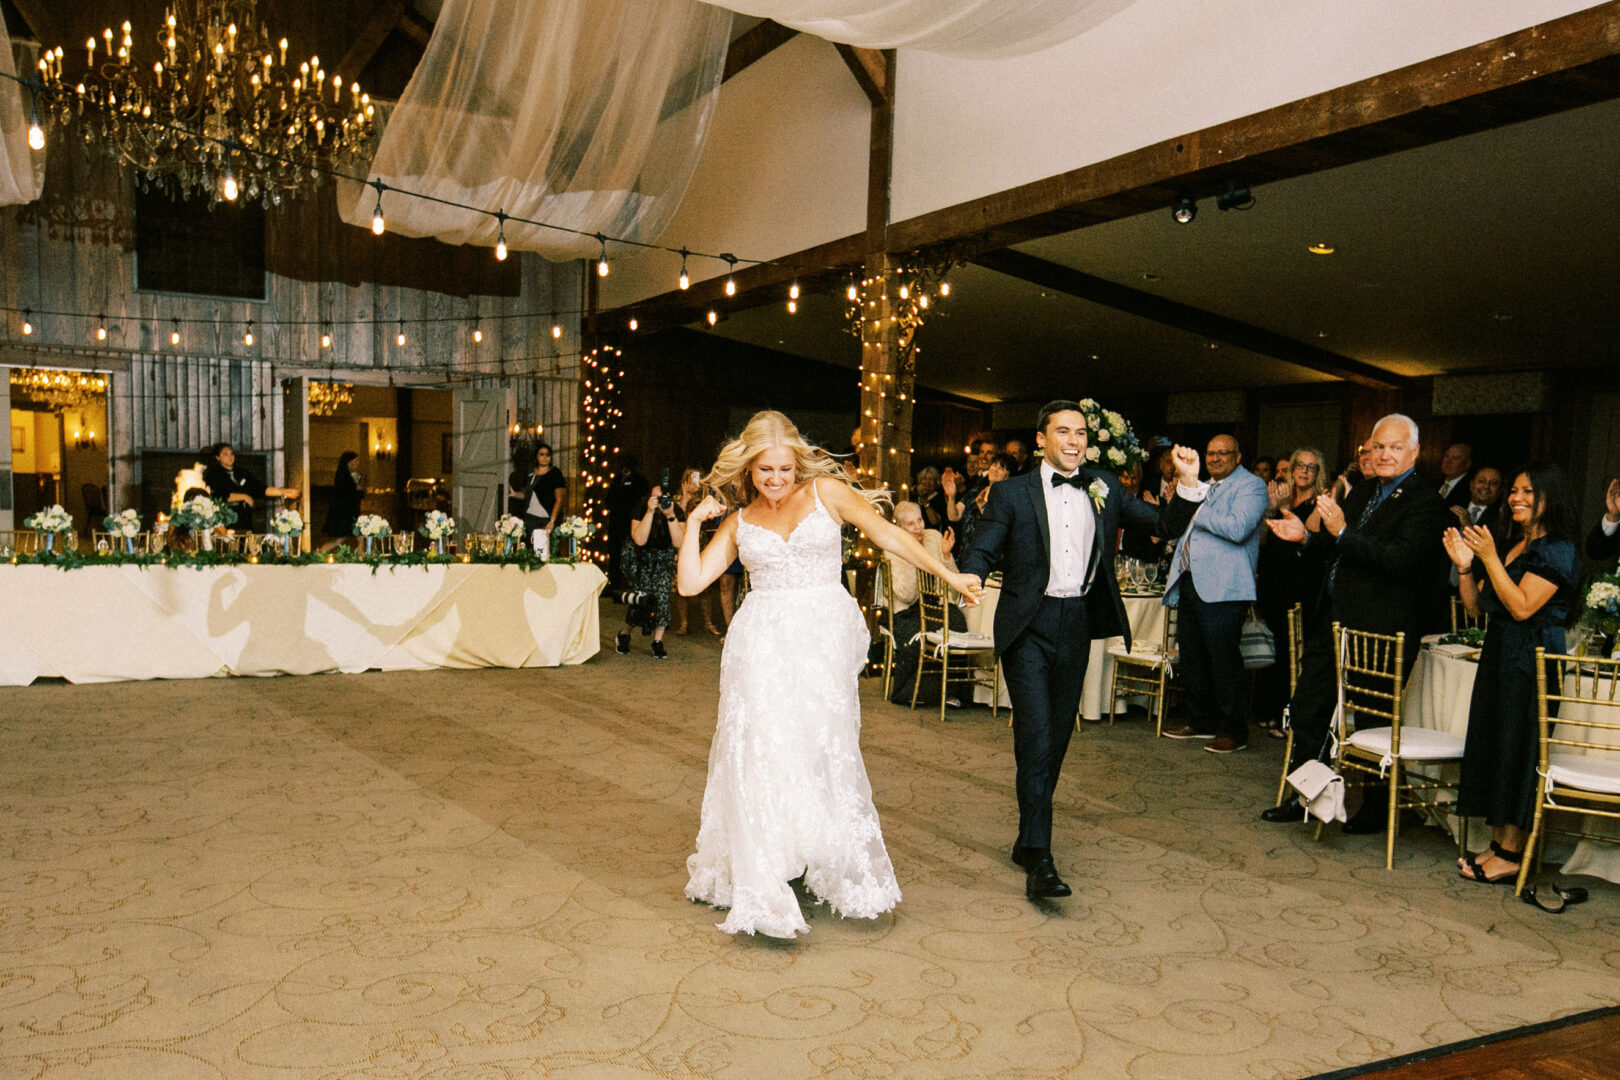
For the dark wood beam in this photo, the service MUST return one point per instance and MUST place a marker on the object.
(416, 26)
(880, 156)
(873, 69)
(1538, 71)
(385, 17)
(755, 44)
(45, 24)
(1206, 324)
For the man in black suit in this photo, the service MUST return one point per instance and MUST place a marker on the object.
(1603, 542)
(1379, 548)
(1454, 466)
(1484, 505)
(1051, 534)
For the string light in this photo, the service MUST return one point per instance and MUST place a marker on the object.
(793, 307)
(556, 330)
(684, 280)
(634, 324)
(713, 316)
(731, 281)
(28, 325)
(36, 134)
(601, 260)
(399, 338)
(174, 335)
(500, 241)
(247, 334)
(377, 224)
(101, 328)
(478, 334)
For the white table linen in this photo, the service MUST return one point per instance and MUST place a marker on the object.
(112, 623)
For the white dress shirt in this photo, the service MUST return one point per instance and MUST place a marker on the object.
(1072, 528)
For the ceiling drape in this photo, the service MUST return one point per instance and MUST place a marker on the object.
(22, 171)
(588, 114)
(971, 29)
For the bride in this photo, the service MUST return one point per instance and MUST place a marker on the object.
(787, 793)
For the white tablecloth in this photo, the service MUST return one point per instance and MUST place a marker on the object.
(1437, 696)
(110, 623)
(1146, 614)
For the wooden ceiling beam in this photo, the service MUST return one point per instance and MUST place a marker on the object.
(871, 69)
(45, 24)
(416, 26)
(1205, 324)
(385, 18)
(1538, 71)
(755, 44)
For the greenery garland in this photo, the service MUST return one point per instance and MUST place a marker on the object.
(522, 558)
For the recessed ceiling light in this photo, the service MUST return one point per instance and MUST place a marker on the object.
(1214, 344)
(1501, 316)
(1150, 277)
(1321, 333)
(1321, 247)
(1094, 356)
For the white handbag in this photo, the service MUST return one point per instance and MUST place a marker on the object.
(1321, 790)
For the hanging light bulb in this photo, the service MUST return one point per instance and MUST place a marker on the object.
(377, 224)
(713, 316)
(601, 261)
(500, 241)
(229, 189)
(922, 301)
(101, 328)
(247, 335)
(793, 307)
(793, 291)
(852, 292)
(399, 338)
(944, 288)
(478, 334)
(634, 325)
(556, 330)
(36, 134)
(905, 292)
(174, 335)
(28, 326)
(326, 338)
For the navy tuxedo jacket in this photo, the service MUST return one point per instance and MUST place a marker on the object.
(1014, 536)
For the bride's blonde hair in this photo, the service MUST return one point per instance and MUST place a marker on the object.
(730, 478)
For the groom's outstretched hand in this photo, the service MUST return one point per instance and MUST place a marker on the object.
(969, 585)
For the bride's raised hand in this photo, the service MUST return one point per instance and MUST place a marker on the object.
(706, 510)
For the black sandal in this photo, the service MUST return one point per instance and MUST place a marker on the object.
(1575, 894)
(1478, 872)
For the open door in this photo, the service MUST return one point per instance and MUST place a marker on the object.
(295, 450)
(482, 456)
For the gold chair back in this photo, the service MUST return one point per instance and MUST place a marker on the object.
(112, 543)
(1296, 646)
(1372, 678)
(1460, 619)
(1146, 675)
(18, 542)
(934, 602)
(883, 597)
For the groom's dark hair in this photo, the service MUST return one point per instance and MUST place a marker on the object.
(1060, 405)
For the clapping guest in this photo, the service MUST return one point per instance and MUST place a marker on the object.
(967, 522)
(650, 569)
(1354, 473)
(1286, 576)
(927, 493)
(1454, 466)
(1603, 542)
(907, 617)
(1265, 468)
(1529, 591)
(1484, 504)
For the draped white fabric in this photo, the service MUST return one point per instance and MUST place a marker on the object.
(22, 171)
(971, 29)
(587, 114)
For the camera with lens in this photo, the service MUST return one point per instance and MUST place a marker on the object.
(666, 500)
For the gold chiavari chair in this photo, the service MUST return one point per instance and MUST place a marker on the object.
(1296, 649)
(19, 541)
(1461, 620)
(115, 543)
(937, 643)
(1372, 680)
(1142, 670)
(1578, 760)
(883, 597)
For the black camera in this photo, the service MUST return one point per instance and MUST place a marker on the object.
(666, 500)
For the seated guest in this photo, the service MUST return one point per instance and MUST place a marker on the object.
(903, 584)
(1529, 589)
(1454, 466)
(1603, 542)
(239, 488)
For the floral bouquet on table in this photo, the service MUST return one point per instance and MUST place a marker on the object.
(202, 515)
(510, 530)
(370, 528)
(126, 526)
(572, 532)
(287, 526)
(51, 522)
(1600, 612)
(1110, 442)
(438, 527)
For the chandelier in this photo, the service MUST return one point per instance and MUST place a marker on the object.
(326, 398)
(56, 389)
(214, 107)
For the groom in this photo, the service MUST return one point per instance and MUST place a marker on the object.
(1051, 533)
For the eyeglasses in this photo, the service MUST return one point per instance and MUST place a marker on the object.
(1308, 467)
(1220, 453)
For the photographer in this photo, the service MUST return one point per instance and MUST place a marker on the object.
(649, 568)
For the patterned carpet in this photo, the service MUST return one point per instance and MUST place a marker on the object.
(469, 875)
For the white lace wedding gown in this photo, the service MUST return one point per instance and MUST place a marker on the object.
(787, 792)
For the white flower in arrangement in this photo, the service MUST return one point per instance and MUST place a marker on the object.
(202, 512)
(372, 525)
(1092, 453)
(1603, 595)
(52, 519)
(576, 527)
(1088, 405)
(1099, 494)
(1102, 434)
(438, 525)
(1115, 457)
(287, 523)
(509, 527)
(126, 523)
(1115, 422)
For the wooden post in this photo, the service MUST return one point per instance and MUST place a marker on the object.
(887, 375)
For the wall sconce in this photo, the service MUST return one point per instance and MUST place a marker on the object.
(84, 440)
(382, 451)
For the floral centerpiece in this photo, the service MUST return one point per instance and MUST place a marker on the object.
(370, 528)
(126, 525)
(1110, 442)
(510, 530)
(287, 526)
(572, 532)
(1600, 609)
(202, 515)
(438, 527)
(51, 522)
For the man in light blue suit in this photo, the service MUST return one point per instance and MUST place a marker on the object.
(1211, 584)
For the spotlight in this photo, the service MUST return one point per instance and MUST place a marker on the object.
(1235, 198)
(1184, 209)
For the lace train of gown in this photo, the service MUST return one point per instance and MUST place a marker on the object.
(787, 792)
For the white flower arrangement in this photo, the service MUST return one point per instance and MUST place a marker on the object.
(126, 524)
(1115, 457)
(1099, 494)
(52, 519)
(287, 523)
(372, 525)
(202, 512)
(438, 525)
(1093, 454)
(1109, 439)
(576, 527)
(509, 527)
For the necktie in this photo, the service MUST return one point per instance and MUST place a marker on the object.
(1474, 512)
(1074, 480)
(1373, 502)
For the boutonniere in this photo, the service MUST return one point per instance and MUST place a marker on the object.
(1099, 494)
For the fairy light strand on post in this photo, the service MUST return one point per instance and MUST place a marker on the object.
(600, 383)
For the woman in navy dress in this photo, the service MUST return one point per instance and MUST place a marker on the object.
(1529, 593)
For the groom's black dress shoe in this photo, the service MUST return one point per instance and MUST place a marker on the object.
(1042, 881)
(1288, 811)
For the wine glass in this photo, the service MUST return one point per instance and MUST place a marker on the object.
(1138, 574)
(1151, 571)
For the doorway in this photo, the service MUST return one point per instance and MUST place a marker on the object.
(59, 444)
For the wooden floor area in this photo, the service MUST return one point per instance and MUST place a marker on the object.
(1588, 1050)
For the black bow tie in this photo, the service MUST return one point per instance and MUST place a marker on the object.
(1075, 479)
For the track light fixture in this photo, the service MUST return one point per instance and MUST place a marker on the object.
(1234, 198)
(1184, 209)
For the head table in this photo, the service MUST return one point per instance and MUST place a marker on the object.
(111, 623)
